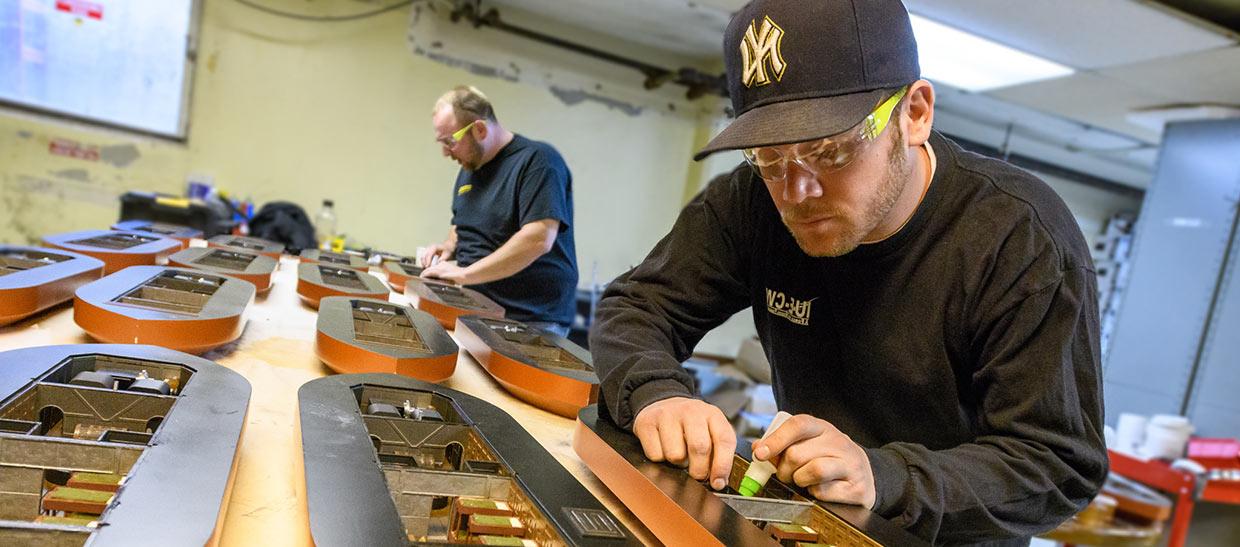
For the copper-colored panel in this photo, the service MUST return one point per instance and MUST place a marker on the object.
(33, 279)
(447, 302)
(682, 511)
(181, 309)
(247, 266)
(250, 244)
(667, 520)
(369, 335)
(118, 250)
(175, 231)
(146, 436)
(318, 281)
(399, 272)
(337, 260)
(540, 368)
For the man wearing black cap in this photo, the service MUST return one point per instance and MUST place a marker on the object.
(929, 314)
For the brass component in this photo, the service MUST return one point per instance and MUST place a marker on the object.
(224, 258)
(175, 291)
(115, 240)
(535, 345)
(69, 431)
(425, 460)
(385, 324)
(18, 260)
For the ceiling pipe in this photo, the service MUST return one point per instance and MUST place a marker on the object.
(699, 83)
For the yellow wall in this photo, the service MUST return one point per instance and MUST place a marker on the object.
(301, 111)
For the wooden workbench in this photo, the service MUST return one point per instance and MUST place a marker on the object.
(276, 354)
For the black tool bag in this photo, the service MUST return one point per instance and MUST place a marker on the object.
(212, 215)
(285, 223)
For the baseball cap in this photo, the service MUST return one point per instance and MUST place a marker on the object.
(802, 70)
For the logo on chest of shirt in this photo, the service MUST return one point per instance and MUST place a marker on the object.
(792, 309)
(465, 188)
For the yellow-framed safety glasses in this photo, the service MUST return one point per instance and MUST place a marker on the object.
(828, 154)
(458, 135)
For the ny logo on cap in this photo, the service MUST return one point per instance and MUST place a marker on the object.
(758, 48)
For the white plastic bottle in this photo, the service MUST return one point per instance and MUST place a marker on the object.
(760, 472)
(325, 225)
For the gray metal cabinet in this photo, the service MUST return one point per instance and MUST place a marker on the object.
(1176, 346)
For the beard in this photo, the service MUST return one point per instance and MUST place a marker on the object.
(851, 230)
(472, 159)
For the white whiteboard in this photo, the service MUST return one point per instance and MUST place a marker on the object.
(120, 62)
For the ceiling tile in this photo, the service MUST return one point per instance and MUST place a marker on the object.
(1088, 98)
(1207, 76)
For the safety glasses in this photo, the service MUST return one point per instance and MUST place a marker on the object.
(456, 137)
(828, 154)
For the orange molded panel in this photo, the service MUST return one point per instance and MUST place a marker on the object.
(547, 371)
(251, 244)
(399, 273)
(447, 302)
(255, 268)
(33, 279)
(358, 335)
(118, 250)
(175, 231)
(180, 309)
(318, 281)
(339, 260)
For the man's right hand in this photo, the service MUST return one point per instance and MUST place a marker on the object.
(688, 432)
(435, 253)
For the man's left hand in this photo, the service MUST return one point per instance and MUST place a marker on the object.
(448, 271)
(813, 454)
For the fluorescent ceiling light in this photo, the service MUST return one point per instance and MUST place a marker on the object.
(973, 63)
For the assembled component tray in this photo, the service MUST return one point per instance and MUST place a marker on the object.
(369, 335)
(390, 460)
(180, 233)
(185, 310)
(338, 260)
(244, 265)
(542, 369)
(318, 281)
(33, 279)
(400, 271)
(136, 444)
(250, 244)
(446, 301)
(118, 250)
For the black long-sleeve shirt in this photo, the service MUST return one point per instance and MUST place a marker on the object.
(962, 352)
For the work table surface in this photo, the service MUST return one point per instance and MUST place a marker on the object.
(276, 354)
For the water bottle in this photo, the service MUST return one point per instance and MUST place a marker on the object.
(325, 225)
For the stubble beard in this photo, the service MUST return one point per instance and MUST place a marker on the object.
(879, 206)
(473, 161)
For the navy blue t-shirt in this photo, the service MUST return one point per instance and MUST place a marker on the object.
(525, 182)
